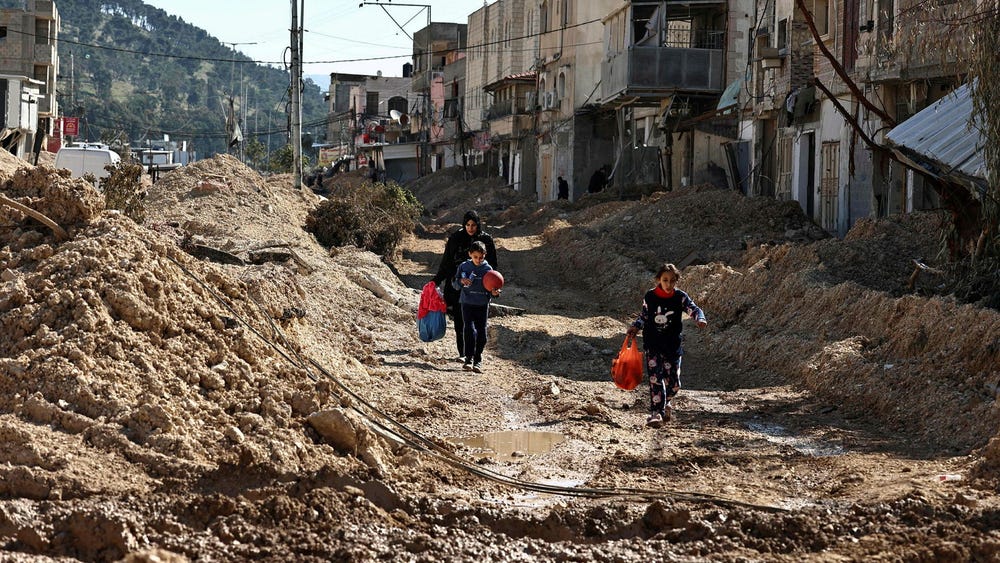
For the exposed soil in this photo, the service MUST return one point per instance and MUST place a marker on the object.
(215, 385)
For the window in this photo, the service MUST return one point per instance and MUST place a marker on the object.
(371, 103)
(42, 31)
(782, 34)
(679, 33)
(821, 16)
(544, 14)
(41, 74)
(398, 103)
(886, 15)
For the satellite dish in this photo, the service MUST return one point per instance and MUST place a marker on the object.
(399, 117)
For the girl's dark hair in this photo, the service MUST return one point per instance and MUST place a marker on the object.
(668, 268)
(477, 245)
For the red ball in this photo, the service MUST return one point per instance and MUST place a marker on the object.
(492, 280)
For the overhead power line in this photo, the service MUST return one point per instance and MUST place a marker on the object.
(262, 62)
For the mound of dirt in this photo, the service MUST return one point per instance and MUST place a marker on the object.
(447, 194)
(127, 364)
(69, 203)
(835, 317)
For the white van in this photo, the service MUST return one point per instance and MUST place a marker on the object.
(84, 158)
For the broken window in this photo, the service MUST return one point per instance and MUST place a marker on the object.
(646, 24)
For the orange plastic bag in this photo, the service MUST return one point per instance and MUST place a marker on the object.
(626, 369)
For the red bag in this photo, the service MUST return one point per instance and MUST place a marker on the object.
(430, 301)
(626, 369)
(431, 322)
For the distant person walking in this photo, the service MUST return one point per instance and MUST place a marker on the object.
(660, 323)
(475, 304)
(598, 180)
(563, 188)
(456, 251)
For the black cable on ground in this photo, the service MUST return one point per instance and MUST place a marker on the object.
(421, 443)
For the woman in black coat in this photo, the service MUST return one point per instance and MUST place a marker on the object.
(456, 251)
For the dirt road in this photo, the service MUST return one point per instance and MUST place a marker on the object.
(748, 467)
(159, 407)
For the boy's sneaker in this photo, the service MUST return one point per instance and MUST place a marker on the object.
(477, 367)
(468, 364)
(655, 420)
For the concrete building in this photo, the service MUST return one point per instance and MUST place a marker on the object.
(501, 89)
(438, 77)
(829, 78)
(28, 51)
(665, 77)
(574, 136)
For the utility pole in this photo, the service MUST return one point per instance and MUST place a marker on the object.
(296, 78)
(423, 162)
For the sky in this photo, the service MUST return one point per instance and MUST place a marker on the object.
(339, 34)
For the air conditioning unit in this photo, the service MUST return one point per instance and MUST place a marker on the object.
(770, 57)
(551, 100)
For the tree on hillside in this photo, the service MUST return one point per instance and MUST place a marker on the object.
(119, 63)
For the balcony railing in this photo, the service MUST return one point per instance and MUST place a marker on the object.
(507, 107)
(653, 70)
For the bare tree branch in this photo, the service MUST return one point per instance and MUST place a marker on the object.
(839, 68)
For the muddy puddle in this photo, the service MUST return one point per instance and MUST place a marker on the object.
(510, 444)
(777, 434)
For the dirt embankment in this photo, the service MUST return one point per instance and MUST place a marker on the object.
(840, 318)
(173, 389)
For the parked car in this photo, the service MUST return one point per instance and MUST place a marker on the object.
(84, 158)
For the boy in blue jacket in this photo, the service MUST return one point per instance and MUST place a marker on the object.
(475, 303)
(660, 323)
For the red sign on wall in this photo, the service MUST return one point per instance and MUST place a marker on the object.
(71, 126)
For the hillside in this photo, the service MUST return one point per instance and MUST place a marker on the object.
(131, 72)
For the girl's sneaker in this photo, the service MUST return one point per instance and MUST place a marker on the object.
(468, 364)
(477, 367)
(655, 420)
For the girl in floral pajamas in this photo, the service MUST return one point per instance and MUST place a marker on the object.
(660, 323)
